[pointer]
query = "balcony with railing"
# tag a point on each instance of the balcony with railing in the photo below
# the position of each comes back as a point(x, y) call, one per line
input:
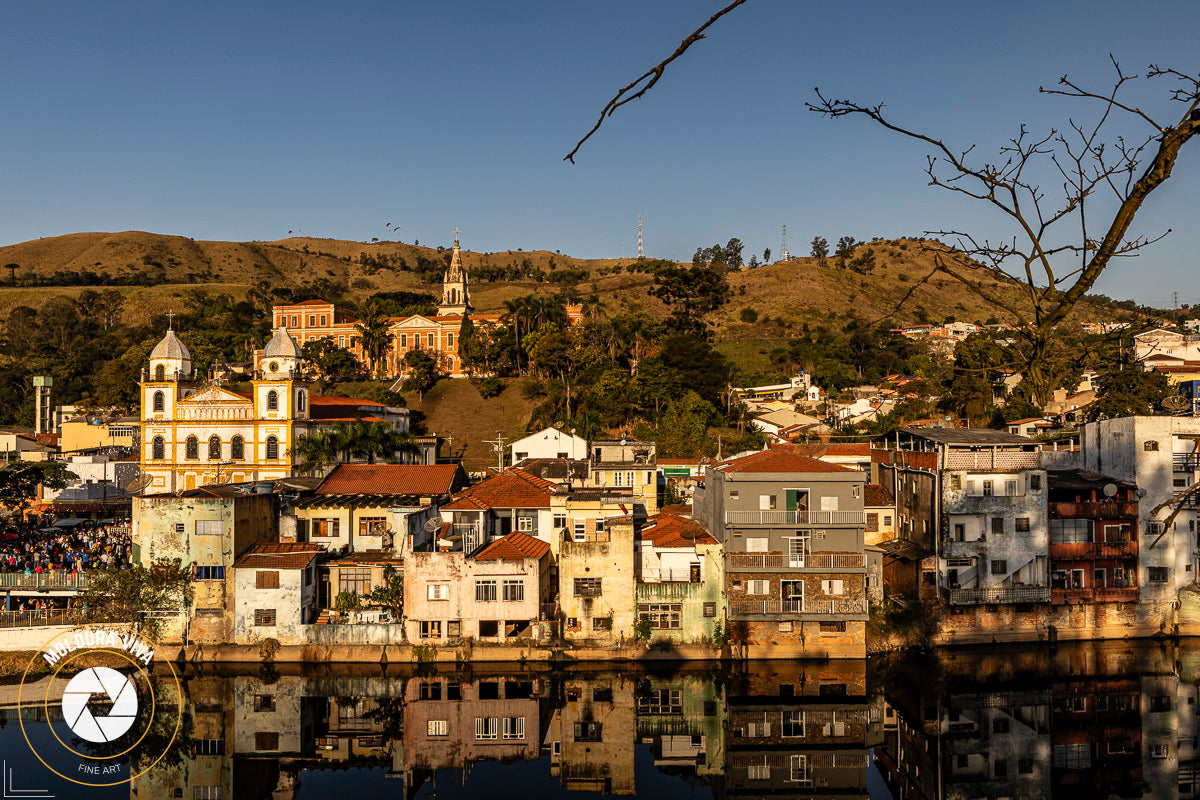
point(992, 460)
point(807, 560)
point(999, 595)
point(748, 607)
point(1090, 551)
point(796, 517)
point(1098, 510)
point(1123, 593)
point(1185, 462)
point(46, 580)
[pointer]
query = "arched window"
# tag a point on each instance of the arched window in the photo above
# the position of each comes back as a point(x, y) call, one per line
point(300, 400)
point(191, 448)
point(214, 448)
point(272, 400)
point(159, 399)
point(160, 373)
point(237, 448)
point(272, 447)
point(158, 448)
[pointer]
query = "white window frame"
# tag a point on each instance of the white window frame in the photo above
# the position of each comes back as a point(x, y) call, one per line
point(752, 587)
point(438, 591)
point(485, 585)
point(513, 591)
point(487, 729)
point(210, 527)
point(514, 728)
point(437, 727)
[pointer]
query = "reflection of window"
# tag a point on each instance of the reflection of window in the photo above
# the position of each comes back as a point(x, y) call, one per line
point(264, 616)
point(486, 728)
point(514, 727)
point(661, 701)
point(437, 727)
point(264, 702)
point(588, 731)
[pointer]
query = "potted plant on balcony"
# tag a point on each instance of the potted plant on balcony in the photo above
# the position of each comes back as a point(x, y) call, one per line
point(345, 602)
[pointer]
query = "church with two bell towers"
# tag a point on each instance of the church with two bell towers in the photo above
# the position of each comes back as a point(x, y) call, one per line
point(196, 433)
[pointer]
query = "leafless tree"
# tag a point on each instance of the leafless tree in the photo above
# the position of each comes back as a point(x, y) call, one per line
point(1062, 243)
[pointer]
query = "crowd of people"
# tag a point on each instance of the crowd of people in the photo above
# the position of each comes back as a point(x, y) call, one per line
point(85, 547)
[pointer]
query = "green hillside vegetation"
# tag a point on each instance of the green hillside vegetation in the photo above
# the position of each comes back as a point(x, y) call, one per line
point(660, 345)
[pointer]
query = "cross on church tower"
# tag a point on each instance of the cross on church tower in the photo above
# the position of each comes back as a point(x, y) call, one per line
point(170, 320)
point(456, 233)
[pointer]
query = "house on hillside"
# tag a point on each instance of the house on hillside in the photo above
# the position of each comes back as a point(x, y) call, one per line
point(548, 443)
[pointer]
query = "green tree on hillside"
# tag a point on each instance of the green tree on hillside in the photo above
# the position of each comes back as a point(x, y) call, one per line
point(1130, 392)
point(421, 372)
point(820, 250)
point(372, 327)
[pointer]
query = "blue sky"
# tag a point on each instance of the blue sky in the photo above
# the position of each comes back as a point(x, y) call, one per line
point(240, 121)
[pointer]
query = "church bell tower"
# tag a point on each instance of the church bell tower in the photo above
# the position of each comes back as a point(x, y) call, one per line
point(455, 301)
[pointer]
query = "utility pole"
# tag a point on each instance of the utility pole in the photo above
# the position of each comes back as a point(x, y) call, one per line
point(497, 445)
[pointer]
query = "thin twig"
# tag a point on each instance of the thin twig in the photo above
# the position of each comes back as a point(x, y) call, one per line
point(650, 77)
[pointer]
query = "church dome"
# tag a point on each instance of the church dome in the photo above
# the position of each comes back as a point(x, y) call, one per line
point(282, 345)
point(171, 347)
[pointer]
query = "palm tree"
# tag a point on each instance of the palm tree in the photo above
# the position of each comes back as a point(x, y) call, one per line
point(372, 328)
point(342, 442)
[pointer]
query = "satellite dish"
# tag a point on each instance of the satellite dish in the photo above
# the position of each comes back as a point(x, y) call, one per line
point(1176, 402)
point(1110, 490)
point(433, 524)
point(137, 483)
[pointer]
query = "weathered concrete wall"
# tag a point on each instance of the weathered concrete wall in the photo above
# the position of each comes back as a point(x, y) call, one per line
point(1004, 623)
point(29, 638)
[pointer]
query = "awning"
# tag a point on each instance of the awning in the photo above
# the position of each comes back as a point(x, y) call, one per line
point(69, 522)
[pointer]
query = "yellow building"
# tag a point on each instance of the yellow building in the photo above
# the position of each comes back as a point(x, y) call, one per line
point(89, 432)
point(195, 434)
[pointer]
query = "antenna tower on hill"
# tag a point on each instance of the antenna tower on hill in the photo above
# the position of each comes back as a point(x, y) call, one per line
point(641, 252)
point(786, 255)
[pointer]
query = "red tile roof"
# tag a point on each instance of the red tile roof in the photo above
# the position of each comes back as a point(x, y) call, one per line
point(516, 546)
point(394, 479)
point(822, 449)
point(513, 488)
point(673, 530)
point(341, 401)
point(279, 555)
point(877, 495)
point(779, 461)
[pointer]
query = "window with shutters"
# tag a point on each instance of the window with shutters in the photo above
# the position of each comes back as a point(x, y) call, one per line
point(758, 587)
point(833, 586)
point(266, 579)
point(264, 617)
point(322, 528)
point(587, 587)
point(210, 527)
point(579, 530)
point(437, 727)
point(272, 447)
point(438, 591)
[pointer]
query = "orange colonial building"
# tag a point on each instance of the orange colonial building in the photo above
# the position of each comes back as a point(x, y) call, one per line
point(312, 320)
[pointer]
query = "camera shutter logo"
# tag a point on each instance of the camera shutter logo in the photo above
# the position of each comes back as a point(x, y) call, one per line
point(121, 693)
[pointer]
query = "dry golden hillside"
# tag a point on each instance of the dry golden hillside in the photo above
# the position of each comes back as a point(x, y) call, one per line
point(787, 294)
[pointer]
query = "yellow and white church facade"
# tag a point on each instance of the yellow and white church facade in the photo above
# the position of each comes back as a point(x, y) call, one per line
point(196, 433)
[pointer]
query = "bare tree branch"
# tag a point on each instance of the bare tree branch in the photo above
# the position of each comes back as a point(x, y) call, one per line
point(649, 77)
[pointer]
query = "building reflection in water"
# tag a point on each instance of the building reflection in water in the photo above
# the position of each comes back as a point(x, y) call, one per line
point(1105, 720)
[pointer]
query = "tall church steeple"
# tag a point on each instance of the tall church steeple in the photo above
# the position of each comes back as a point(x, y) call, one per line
point(455, 300)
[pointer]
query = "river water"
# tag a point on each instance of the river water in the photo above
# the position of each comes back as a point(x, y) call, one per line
point(1113, 719)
